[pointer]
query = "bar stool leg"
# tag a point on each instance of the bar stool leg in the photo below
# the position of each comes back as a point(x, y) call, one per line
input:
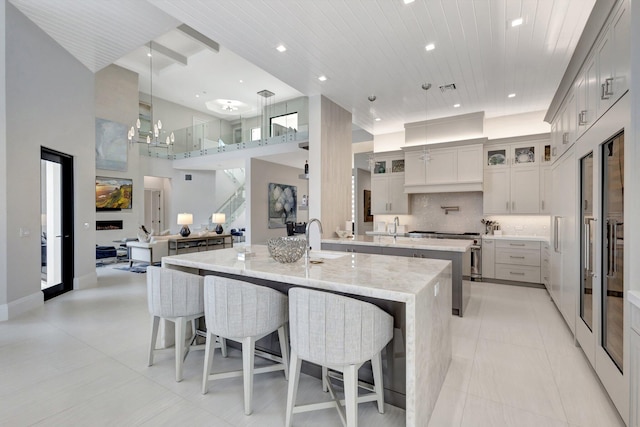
point(376, 366)
point(223, 345)
point(209, 349)
point(351, 394)
point(180, 327)
point(284, 349)
point(155, 322)
point(248, 356)
point(294, 379)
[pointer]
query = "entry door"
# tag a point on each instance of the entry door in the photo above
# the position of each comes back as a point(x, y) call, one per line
point(56, 195)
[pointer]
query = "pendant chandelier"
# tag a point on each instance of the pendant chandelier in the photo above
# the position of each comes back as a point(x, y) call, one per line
point(426, 153)
point(155, 127)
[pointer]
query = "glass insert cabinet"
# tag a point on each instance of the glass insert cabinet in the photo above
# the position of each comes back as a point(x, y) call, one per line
point(517, 154)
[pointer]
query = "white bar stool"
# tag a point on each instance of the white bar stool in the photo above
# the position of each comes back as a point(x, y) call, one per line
point(178, 297)
point(243, 312)
point(340, 334)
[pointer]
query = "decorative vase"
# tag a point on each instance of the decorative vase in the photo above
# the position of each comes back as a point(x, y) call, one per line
point(184, 231)
point(219, 229)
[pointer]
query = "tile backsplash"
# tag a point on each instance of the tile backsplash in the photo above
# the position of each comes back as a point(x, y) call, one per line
point(427, 213)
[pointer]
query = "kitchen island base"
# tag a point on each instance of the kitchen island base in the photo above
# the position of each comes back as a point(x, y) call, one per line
point(416, 292)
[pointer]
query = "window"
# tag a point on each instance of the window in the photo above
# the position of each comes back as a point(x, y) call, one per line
point(255, 134)
point(280, 125)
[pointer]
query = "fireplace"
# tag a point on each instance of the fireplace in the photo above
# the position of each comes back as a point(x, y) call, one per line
point(109, 225)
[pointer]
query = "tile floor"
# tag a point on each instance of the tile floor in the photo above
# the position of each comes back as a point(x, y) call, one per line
point(81, 360)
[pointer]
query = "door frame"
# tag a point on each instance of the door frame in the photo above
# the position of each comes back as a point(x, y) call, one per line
point(67, 221)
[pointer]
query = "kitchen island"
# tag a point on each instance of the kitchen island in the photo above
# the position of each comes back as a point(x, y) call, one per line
point(416, 292)
point(455, 250)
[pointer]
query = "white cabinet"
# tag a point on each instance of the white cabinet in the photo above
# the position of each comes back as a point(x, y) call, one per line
point(545, 265)
point(387, 185)
point(511, 182)
point(511, 260)
point(613, 53)
point(586, 93)
point(488, 259)
point(450, 169)
point(546, 189)
point(525, 190)
point(565, 248)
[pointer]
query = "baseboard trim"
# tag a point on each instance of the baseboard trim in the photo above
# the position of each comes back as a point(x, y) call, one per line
point(20, 306)
point(87, 281)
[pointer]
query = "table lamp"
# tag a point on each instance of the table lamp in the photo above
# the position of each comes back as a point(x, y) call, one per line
point(218, 218)
point(185, 219)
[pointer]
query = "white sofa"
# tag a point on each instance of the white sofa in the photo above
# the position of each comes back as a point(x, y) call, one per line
point(151, 252)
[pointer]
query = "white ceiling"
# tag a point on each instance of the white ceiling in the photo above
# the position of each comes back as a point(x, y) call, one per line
point(364, 47)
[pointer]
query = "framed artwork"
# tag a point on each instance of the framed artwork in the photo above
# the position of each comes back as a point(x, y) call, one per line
point(111, 145)
point(282, 205)
point(368, 217)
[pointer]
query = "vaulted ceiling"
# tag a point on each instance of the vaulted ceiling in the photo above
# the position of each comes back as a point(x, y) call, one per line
point(363, 47)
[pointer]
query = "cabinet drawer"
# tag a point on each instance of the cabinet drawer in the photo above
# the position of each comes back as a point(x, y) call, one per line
point(518, 256)
point(517, 244)
point(520, 273)
point(635, 318)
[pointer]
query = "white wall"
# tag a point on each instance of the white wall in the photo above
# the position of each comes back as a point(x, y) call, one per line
point(50, 102)
point(388, 142)
point(116, 99)
point(3, 169)
point(516, 125)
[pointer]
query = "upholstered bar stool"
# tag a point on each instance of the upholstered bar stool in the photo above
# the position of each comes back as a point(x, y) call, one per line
point(244, 312)
point(340, 334)
point(178, 297)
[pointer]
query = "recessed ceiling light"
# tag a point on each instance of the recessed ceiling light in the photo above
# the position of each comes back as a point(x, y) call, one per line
point(241, 81)
point(197, 95)
point(149, 54)
point(512, 95)
point(377, 119)
point(429, 47)
point(322, 78)
point(516, 22)
point(281, 48)
point(456, 105)
point(408, 1)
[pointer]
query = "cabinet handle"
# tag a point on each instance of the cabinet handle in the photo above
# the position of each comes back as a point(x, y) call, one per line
point(603, 92)
point(582, 118)
point(542, 202)
point(517, 244)
point(507, 205)
point(513, 206)
point(565, 138)
point(554, 151)
point(516, 273)
point(608, 88)
point(390, 206)
point(516, 257)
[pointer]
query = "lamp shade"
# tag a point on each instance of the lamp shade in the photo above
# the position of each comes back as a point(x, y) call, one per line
point(185, 219)
point(218, 218)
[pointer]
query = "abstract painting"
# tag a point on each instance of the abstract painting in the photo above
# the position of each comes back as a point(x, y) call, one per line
point(282, 205)
point(111, 145)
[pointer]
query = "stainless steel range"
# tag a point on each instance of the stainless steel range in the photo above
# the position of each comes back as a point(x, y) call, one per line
point(476, 247)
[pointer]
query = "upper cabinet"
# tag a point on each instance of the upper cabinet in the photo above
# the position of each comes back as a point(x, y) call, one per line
point(387, 185)
point(441, 168)
point(512, 175)
point(603, 79)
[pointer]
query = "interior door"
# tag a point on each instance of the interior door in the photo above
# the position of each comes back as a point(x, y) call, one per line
point(56, 190)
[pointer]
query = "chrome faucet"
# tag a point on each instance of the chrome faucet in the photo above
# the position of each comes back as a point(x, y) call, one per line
point(306, 234)
point(396, 223)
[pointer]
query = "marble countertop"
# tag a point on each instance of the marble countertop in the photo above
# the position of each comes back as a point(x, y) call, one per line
point(634, 298)
point(449, 245)
point(377, 276)
point(516, 237)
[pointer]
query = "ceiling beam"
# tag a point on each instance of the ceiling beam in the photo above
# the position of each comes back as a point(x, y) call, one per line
point(169, 53)
point(198, 36)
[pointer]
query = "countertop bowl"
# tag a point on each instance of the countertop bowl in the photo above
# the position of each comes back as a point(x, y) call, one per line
point(343, 233)
point(286, 249)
